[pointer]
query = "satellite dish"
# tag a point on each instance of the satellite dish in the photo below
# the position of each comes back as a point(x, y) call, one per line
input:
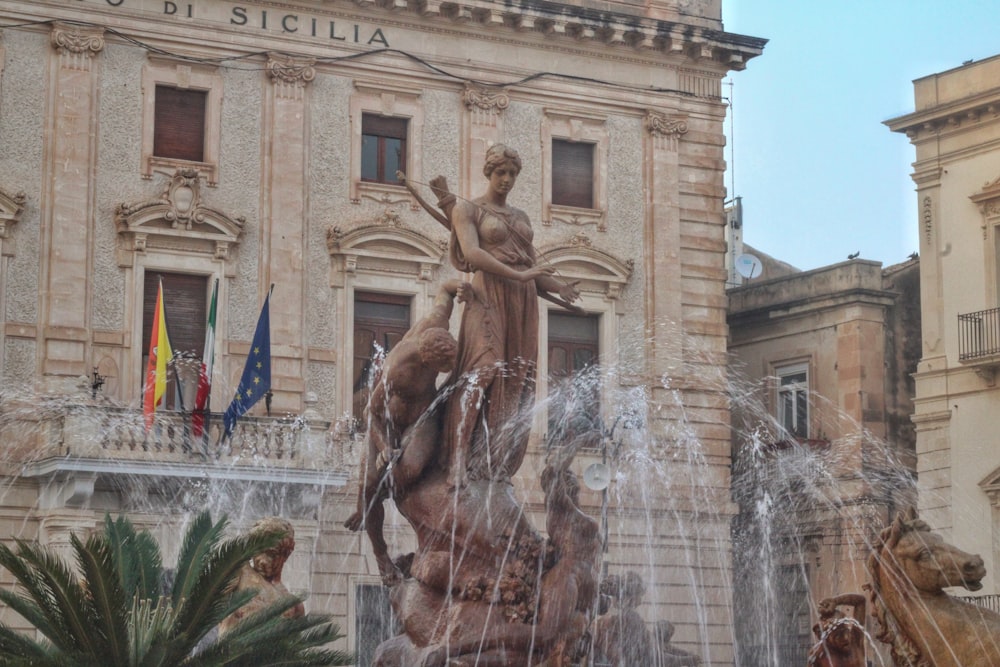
point(597, 476)
point(748, 266)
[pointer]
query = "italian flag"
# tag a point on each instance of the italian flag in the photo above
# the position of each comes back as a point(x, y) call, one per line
point(159, 354)
point(201, 402)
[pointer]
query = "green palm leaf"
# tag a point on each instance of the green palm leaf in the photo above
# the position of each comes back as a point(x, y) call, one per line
point(108, 602)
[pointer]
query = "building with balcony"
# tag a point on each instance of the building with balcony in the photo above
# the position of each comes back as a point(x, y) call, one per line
point(955, 132)
point(256, 143)
point(826, 356)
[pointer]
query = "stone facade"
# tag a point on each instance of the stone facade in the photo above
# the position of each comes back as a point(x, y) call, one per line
point(849, 334)
point(954, 129)
point(88, 209)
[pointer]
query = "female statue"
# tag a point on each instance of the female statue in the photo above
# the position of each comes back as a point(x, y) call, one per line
point(487, 417)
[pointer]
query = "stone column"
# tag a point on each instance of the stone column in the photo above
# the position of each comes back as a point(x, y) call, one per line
point(662, 258)
point(284, 220)
point(68, 198)
point(482, 127)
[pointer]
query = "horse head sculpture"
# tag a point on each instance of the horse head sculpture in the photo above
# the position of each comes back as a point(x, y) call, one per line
point(910, 567)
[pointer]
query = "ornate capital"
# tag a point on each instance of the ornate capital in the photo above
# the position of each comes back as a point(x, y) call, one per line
point(289, 71)
point(11, 207)
point(73, 40)
point(477, 98)
point(661, 125)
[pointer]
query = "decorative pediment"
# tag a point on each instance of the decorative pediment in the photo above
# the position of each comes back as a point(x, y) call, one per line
point(383, 248)
point(988, 199)
point(991, 487)
point(10, 210)
point(597, 270)
point(178, 220)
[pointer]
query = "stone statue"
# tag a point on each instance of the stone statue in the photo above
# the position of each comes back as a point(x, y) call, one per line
point(621, 636)
point(263, 574)
point(402, 430)
point(486, 419)
point(909, 567)
point(840, 638)
point(483, 587)
point(668, 655)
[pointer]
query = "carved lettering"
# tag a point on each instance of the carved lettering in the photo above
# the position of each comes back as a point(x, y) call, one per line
point(241, 14)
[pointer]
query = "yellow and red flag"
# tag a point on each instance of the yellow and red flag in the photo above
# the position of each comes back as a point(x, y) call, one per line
point(159, 354)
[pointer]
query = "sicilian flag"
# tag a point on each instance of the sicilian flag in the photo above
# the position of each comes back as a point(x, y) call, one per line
point(201, 402)
point(256, 380)
point(159, 354)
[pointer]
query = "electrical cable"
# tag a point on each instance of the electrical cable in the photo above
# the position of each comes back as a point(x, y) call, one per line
point(222, 60)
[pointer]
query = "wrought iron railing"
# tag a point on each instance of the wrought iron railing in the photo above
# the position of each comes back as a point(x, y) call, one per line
point(991, 602)
point(979, 334)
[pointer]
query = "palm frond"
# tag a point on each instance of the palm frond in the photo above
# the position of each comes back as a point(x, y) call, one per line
point(217, 577)
point(200, 540)
point(150, 624)
point(17, 645)
point(136, 557)
point(57, 593)
point(108, 602)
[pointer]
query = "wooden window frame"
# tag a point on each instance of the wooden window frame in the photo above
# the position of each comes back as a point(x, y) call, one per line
point(573, 345)
point(182, 76)
point(576, 126)
point(796, 390)
point(388, 101)
point(381, 129)
point(386, 325)
point(169, 105)
point(572, 187)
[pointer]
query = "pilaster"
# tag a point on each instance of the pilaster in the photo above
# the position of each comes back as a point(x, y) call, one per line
point(662, 242)
point(68, 197)
point(284, 215)
point(483, 126)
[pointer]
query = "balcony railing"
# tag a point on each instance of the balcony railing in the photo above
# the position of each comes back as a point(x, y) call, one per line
point(979, 335)
point(991, 602)
point(83, 429)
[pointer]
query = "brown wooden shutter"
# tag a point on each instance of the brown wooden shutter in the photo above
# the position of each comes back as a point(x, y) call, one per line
point(572, 173)
point(184, 299)
point(179, 123)
point(381, 319)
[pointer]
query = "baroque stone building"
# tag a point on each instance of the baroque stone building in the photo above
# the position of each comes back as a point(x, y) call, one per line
point(254, 143)
point(831, 353)
point(955, 129)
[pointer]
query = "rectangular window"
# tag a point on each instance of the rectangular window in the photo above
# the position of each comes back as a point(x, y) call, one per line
point(574, 378)
point(179, 123)
point(383, 148)
point(374, 620)
point(572, 173)
point(380, 321)
point(793, 400)
point(185, 305)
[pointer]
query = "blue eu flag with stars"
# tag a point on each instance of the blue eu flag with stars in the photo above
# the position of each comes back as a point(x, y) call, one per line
point(256, 380)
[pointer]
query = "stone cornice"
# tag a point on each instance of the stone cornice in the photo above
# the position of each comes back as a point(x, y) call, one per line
point(948, 117)
point(574, 23)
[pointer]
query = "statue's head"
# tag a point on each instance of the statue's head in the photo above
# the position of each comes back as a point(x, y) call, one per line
point(270, 562)
point(499, 154)
point(437, 349)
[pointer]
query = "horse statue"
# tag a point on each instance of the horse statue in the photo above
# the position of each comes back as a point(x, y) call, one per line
point(925, 627)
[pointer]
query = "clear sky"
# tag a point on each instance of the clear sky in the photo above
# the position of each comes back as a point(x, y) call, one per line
point(820, 176)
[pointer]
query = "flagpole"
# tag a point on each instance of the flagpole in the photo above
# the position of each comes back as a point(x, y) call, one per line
point(255, 382)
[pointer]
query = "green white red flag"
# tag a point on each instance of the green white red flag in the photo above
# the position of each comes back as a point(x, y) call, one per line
point(199, 416)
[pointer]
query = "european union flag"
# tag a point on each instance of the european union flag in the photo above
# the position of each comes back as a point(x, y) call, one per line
point(256, 380)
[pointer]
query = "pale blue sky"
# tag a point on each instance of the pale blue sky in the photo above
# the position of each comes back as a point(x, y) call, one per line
point(820, 175)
